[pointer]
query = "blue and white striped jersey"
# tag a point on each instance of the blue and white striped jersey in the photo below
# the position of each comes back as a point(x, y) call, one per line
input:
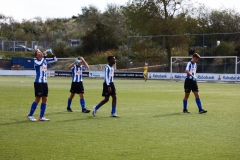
point(109, 74)
point(192, 68)
point(77, 73)
point(41, 69)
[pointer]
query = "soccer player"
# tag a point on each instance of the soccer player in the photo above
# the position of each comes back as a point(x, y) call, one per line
point(77, 83)
point(108, 88)
point(40, 83)
point(191, 84)
point(145, 71)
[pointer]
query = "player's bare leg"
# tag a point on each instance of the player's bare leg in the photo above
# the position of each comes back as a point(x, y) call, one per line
point(81, 95)
point(37, 99)
point(196, 94)
point(114, 100)
point(44, 100)
point(105, 100)
point(71, 96)
point(145, 77)
point(186, 96)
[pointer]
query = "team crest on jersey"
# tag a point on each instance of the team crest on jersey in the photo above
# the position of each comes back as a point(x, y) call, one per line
point(112, 73)
point(78, 72)
point(44, 68)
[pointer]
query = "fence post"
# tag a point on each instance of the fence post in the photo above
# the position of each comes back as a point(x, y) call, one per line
point(203, 53)
point(163, 48)
point(171, 70)
point(128, 50)
point(236, 67)
point(26, 46)
point(14, 42)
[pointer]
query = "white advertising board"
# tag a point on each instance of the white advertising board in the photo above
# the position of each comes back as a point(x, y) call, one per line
point(200, 76)
point(23, 73)
point(158, 75)
point(96, 74)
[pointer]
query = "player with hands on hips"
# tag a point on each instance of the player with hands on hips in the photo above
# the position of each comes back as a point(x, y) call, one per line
point(190, 84)
point(77, 83)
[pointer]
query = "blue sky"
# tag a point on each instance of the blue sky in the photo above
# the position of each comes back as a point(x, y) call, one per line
point(28, 9)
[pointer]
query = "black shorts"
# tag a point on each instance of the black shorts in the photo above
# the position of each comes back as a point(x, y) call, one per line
point(77, 87)
point(41, 89)
point(190, 85)
point(105, 90)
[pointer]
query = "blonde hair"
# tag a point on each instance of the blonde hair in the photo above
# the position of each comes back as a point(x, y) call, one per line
point(36, 52)
point(196, 55)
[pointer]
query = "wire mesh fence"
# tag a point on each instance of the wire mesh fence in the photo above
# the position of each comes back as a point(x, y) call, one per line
point(63, 64)
point(157, 50)
point(218, 64)
point(24, 46)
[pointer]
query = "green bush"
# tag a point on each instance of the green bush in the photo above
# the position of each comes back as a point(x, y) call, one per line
point(9, 55)
point(224, 49)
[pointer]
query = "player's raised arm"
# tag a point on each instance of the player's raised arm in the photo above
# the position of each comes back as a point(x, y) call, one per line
point(50, 60)
point(71, 65)
point(84, 62)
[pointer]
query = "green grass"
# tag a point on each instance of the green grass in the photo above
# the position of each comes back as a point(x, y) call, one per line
point(151, 124)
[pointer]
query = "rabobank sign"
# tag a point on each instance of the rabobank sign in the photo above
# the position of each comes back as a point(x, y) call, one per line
point(206, 77)
point(200, 77)
point(177, 76)
point(230, 78)
point(159, 76)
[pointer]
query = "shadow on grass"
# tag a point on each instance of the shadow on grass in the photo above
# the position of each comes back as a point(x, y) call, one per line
point(16, 122)
point(85, 118)
point(61, 112)
point(171, 114)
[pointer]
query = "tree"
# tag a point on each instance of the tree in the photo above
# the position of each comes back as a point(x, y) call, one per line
point(104, 31)
point(159, 17)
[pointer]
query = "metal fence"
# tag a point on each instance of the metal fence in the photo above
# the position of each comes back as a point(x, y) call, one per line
point(157, 50)
point(24, 46)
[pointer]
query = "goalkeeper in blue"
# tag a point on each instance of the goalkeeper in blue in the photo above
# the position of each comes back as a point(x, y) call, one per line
point(108, 88)
point(40, 83)
point(191, 84)
point(77, 83)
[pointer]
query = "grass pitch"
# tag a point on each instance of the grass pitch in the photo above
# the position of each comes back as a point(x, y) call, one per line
point(152, 125)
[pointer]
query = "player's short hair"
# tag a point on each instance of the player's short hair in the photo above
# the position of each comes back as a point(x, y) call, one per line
point(109, 58)
point(196, 55)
